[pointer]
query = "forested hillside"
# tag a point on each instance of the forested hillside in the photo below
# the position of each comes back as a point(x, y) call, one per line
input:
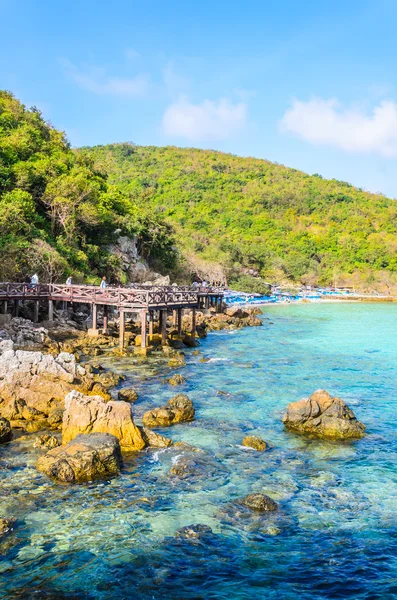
point(245, 213)
point(58, 213)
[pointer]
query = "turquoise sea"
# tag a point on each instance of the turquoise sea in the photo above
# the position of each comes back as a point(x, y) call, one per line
point(335, 534)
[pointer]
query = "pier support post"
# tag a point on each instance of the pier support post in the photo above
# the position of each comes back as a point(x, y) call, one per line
point(94, 317)
point(174, 318)
point(16, 307)
point(50, 310)
point(105, 318)
point(143, 328)
point(151, 318)
point(193, 322)
point(179, 312)
point(5, 307)
point(163, 317)
point(122, 329)
point(36, 311)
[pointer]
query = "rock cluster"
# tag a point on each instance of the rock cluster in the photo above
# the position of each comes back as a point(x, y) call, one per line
point(127, 395)
point(177, 410)
point(33, 386)
point(87, 457)
point(323, 416)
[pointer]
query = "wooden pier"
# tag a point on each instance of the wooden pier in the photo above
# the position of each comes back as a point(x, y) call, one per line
point(152, 303)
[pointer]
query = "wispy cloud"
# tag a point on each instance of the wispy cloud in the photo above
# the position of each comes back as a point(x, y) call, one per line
point(98, 81)
point(210, 120)
point(327, 122)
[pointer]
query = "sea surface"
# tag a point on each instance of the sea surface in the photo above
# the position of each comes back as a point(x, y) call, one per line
point(335, 534)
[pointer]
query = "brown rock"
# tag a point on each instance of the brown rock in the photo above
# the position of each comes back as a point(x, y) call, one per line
point(252, 441)
point(87, 457)
point(177, 410)
point(259, 502)
point(155, 440)
point(89, 414)
point(46, 441)
point(6, 525)
point(323, 416)
point(128, 395)
point(5, 431)
point(176, 379)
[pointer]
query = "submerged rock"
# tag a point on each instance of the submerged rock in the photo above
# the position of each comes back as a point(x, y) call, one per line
point(176, 361)
point(176, 379)
point(259, 502)
point(195, 531)
point(127, 395)
point(177, 410)
point(87, 457)
point(6, 525)
point(5, 430)
point(155, 440)
point(252, 441)
point(89, 414)
point(46, 441)
point(323, 416)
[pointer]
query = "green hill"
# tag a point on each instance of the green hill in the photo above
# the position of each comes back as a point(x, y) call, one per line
point(232, 215)
point(58, 213)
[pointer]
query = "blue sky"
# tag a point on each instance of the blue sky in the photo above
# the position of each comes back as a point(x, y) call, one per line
point(308, 84)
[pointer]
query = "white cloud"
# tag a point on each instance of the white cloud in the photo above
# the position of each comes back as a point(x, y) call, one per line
point(326, 122)
point(210, 120)
point(97, 81)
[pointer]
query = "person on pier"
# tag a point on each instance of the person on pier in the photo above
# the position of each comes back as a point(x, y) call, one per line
point(35, 279)
point(69, 280)
point(103, 283)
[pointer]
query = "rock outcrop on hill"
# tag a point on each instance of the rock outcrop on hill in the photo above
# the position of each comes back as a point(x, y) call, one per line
point(323, 416)
point(87, 457)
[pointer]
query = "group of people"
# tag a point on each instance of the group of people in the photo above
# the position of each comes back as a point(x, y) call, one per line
point(34, 280)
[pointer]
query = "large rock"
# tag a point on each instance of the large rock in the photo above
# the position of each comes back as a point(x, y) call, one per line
point(87, 457)
point(323, 416)
point(90, 414)
point(252, 441)
point(177, 410)
point(5, 430)
point(33, 385)
point(128, 395)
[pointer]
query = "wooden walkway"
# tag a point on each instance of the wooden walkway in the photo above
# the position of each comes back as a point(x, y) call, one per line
point(152, 302)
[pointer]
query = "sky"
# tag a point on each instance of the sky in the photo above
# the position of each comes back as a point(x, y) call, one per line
point(311, 85)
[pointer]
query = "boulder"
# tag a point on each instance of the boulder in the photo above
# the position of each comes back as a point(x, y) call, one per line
point(177, 410)
point(90, 414)
point(259, 502)
point(252, 441)
point(176, 379)
point(127, 395)
point(236, 312)
point(195, 531)
point(87, 457)
point(323, 416)
point(176, 361)
point(5, 430)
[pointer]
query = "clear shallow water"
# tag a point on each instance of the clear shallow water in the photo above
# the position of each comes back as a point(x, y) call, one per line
point(335, 535)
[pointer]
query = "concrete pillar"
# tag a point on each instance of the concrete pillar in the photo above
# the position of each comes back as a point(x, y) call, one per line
point(94, 317)
point(143, 328)
point(163, 315)
point(174, 317)
point(36, 311)
point(16, 307)
point(179, 321)
point(5, 307)
point(122, 329)
point(50, 310)
point(151, 318)
point(105, 318)
point(193, 322)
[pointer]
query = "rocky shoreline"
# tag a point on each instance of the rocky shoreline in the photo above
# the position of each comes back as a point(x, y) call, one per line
point(85, 424)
